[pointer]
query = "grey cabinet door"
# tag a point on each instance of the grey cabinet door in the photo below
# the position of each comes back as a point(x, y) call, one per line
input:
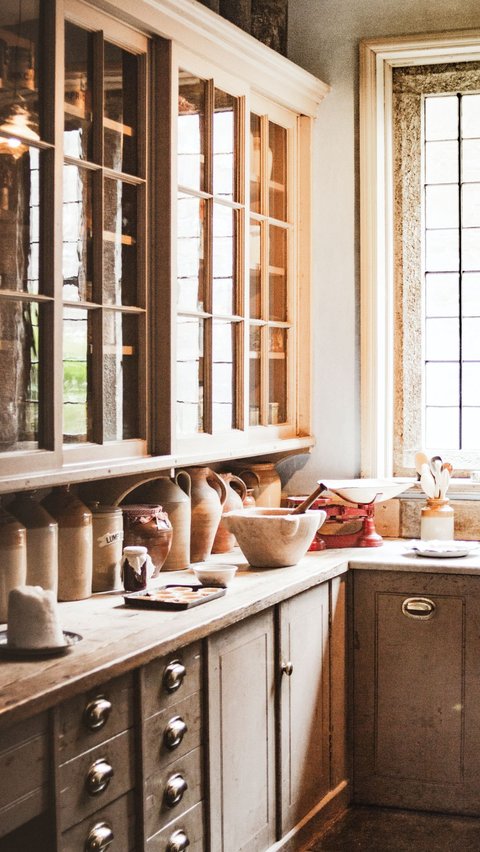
point(241, 736)
point(304, 703)
point(416, 690)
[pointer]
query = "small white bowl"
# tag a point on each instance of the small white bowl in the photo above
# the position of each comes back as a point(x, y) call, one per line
point(214, 575)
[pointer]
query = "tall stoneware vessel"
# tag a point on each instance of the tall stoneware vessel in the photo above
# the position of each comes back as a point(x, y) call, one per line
point(265, 481)
point(13, 558)
point(175, 498)
point(224, 540)
point(75, 543)
point(208, 494)
point(42, 541)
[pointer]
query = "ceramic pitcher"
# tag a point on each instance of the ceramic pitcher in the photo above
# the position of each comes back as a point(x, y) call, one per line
point(236, 492)
point(174, 496)
point(208, 494)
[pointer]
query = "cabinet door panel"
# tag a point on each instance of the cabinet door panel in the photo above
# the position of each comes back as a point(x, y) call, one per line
point(304, 703)
point(241, 736)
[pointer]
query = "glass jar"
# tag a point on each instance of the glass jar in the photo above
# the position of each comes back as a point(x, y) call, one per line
point(137, 568)
point(436, 520)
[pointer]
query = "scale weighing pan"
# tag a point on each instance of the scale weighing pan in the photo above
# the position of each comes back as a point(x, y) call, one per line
point(366, 491)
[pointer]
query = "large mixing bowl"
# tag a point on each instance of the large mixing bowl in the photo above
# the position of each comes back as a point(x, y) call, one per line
point(273, 538)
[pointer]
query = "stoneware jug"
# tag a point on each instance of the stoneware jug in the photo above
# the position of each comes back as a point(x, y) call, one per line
point(147, 525)
point(175, 498)
point(13, 558)
point(208, 494)
point(75, 543)
point(224, 540)
point(42, 541)
point(265, 481)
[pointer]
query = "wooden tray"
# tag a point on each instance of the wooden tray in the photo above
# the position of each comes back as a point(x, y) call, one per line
point(174, 596)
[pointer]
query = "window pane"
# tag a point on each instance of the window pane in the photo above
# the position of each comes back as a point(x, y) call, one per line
point(255, 278)
point(77, 339)
point(224, 145)
point(441, 250)
point(120, 120)
point(277, 273)
point(255, 161)
point(277, 166)
point(471, 429)
point(119, 243)
point(471, 115)
point(441, 117)
point(255, 363)
point(442, 383)
point(191, 131)
point(277, 405)
point(121, 379)
point(441, 340)
point(442, 425)
point(471, 160)
point(471, 384)
point(223, 259)
point(77, 137)
point(471, 205)
point(77, 234)
point(441, 295)
point(471, 339)
point(19, 217)
point(19, 93)
point(189, 375)
point(20, 331)
point(190, 253)
point(441, 162)
point(471, 294)
point(471, 249)
point(223, 373)
point(441, 206)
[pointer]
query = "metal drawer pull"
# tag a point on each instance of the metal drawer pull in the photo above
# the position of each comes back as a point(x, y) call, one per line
point(177, 842)
point(174, 732)
point(99, 838)
point(287, 668)
point(422, 608)
point(173, 675)
point(175, 787)
point(97, 712)
point(98, 777)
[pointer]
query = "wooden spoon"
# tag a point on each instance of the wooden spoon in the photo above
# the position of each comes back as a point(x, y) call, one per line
point(420, 459)
point(427, 481)
point(305, 504)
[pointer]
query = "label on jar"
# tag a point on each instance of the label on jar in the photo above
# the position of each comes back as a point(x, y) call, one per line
point(110, 538)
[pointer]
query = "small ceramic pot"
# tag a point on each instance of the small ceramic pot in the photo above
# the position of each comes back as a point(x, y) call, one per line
point(148, 526)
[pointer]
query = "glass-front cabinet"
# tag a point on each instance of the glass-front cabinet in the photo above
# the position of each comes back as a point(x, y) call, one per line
point(154, 242)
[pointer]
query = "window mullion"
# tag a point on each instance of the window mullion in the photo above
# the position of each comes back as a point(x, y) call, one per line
point(460, 277)
point(96, 353)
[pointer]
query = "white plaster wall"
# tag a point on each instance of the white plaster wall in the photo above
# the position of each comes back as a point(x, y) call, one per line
point(323, 38)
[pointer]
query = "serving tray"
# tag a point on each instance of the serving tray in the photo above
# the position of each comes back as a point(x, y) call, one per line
point(174, 596)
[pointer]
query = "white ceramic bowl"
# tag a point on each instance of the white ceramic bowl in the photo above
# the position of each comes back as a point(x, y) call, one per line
point(367, 490)
point(214, 575)
point(273, 538)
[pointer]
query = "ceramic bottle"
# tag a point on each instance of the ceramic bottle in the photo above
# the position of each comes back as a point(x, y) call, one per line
point(436, 520)
point(265, 481)
point(75, 543)
point(13, 558)
point(208, 494)
point(174, 496)
point(224, 540)
point(42, 541)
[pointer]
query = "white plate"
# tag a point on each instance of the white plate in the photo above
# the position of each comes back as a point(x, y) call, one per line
point(444, 549)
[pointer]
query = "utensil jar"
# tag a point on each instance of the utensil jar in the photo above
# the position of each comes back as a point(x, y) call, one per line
point(436, 520)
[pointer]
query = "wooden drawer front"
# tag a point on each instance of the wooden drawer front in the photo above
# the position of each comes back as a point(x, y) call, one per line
point(157, 729)
point(24, 768)
point(76, 802)
point(191, 823)
point(158, 813)
point(157, 695)
point(89, 719)
point(120, 818)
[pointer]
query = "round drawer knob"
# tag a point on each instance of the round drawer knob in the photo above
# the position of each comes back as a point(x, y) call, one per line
point(175, 788)
point(99, 837)
point(96, 713)
point(174, 732)
point(173, 675)
point(178, 841)
point(98, 777)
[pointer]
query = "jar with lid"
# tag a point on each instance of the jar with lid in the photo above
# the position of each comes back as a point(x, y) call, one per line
point(42, 541)
point(436, 520)
point(107, 528)
point(137, 568)
point(74, 543)
point(13, 558)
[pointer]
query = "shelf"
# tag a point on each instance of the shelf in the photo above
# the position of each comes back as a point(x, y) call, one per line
point(110, 237)
point(125, 129)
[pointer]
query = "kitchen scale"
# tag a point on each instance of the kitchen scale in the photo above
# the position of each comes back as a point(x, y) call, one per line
point(352, 520)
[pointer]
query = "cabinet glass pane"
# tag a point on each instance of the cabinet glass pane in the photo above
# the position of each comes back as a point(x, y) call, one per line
point(77, 234)
point(119, 243)
point(121, 378)
point(19, 394)
point(277, 273)
point(277, 405)
point(77, 137)
point(120, 119)
point(255, 362)
point(190, 252)
point(191, 131)
point(223, 389)
point(277, 168)
point(77, 342)
point(223, 260)
point(224, 120)
point(189, 375)
point(19, 218)
point(255, 161)
point(19, 64)
point(255, 276)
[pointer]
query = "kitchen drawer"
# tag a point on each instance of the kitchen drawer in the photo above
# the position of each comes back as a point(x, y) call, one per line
point(76, 802)
point(165, 683)
point(93, 717)
point(157, 811)
point(191, 823)
point(159, 730)
point(119, 817)
point(24, 762)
